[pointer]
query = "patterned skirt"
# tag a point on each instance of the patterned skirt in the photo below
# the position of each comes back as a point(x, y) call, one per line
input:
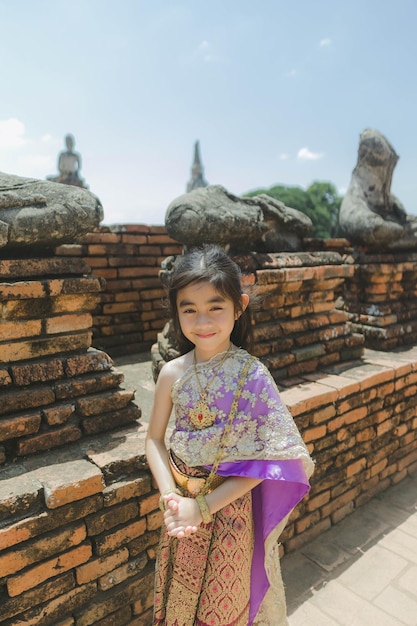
point(204, 579)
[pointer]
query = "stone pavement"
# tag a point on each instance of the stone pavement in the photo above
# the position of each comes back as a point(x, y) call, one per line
point(361, 572)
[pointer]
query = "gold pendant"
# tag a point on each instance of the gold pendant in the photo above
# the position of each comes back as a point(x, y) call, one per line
point(201, 416)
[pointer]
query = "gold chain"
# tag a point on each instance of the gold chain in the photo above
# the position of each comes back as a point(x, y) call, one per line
point(228, 426)
point(201, 416)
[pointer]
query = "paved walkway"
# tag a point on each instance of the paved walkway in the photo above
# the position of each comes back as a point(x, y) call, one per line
point(361, 572)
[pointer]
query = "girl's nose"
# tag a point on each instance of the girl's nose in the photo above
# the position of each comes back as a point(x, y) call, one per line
point(202, 319)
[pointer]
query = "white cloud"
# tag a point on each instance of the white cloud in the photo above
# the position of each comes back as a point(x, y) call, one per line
point(304, 154)
point(22, 155)
point(12, 133)
point(325, 42)
point(204, 52)
point(47, 138)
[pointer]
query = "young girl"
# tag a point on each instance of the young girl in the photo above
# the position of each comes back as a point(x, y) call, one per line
point(236, 464)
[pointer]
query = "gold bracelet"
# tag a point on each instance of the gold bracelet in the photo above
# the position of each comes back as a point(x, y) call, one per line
point(166, 493)
point(204, 509)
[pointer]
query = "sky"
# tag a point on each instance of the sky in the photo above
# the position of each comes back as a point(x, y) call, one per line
point(277, 92)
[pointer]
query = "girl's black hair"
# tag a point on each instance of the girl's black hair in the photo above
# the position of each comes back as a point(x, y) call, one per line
point(210, 264)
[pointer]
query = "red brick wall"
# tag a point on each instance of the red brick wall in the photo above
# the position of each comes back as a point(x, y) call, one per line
point(77, 546)
point(54, 388)
point(79, 526)
point(131, 310)
point(381, 298)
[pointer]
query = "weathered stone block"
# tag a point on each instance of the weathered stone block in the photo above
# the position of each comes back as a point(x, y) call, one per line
point(76, 480)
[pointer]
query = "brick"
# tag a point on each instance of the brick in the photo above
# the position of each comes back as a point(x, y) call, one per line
point(344, 384)
point(39, 549)
point(135, 239)
point(119, 538)
point(384, 427)
point(96, 568)
point(88, 384)
point(75, 286)
point(48, 569)
point(19, 495)
point(45, 441)
point(378, 467)
point(355, 467)
point(149, 504)
point(342, 512)
point(154, 520)
point(21, 351)
point(299, 540)
point(306, 398)
point(121, 617)
point(407, 461)
point(104, 606)
point(126, 489)
point(105, 402)
point(70, 249)
point(142, 543)
point(365, 435)
point(93, 361)
point(58, 414)
point(34, 597)
point(346, 499)
point(25, 268)
point(22, 399)
point(102, 237)
point(5, 378)
point(318, 501)
point(19, 426)
point(75, 480)
point(123, 573)
point(39, 523)
point(109, 421)
point(22, 289)
point(43, 307)
point(67, 323)
point(312, 434)
point(37, 372)
point(111, 517)
point(52, 612)
point(20, 329)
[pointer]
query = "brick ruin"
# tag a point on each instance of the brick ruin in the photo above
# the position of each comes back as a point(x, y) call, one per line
point(79, 517)
point(381, 297)
point(131, 309)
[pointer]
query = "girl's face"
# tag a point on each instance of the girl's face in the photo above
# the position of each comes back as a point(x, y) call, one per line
point(207, 318)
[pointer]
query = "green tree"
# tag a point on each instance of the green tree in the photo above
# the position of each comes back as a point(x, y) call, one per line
point(319, 201)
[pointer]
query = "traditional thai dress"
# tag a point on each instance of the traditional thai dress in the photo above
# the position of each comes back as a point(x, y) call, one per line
point(228, 572)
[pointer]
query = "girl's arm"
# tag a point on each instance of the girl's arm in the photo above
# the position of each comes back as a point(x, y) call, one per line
point(183, 514)
point(156, 451)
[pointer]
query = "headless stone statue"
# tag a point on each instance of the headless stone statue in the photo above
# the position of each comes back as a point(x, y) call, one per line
point(214, 215)
point(42, 214)
point(69, 166)
point(370, 215)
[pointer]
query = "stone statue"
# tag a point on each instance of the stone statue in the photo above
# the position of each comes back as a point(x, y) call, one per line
point(370, 215)
point(69, 166)
point(213, 215)
point(41, 213)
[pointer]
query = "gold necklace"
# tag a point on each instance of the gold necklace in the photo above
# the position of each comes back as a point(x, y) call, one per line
point(201, 416)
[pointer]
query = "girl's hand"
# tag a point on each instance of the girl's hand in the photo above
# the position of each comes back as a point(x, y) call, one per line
point(182, 515)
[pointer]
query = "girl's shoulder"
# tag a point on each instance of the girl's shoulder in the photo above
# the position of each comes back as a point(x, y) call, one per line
point(174, 369)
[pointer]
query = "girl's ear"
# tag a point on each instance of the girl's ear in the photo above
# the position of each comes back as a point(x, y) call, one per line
point(244, 301)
